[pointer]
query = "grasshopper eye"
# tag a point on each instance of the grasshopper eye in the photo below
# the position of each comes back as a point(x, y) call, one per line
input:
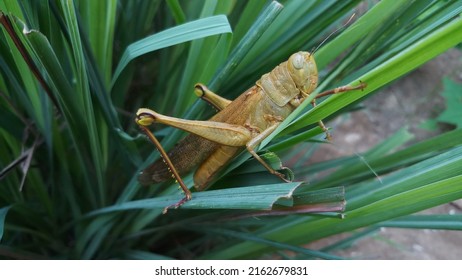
point(298, 61)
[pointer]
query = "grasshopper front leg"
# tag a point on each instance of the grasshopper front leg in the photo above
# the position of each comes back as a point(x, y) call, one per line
point(341, 89)
point(252, 144)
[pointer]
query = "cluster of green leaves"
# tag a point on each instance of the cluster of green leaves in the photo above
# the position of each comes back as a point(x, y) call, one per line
point(74, 72)
point(453, 95)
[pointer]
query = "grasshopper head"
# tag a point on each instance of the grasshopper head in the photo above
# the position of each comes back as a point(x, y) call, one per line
point(303, 70)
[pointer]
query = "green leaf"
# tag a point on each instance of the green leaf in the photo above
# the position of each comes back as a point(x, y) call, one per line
point(453, 96)
point(261, 24)
point(278, 245)
point(183, 33)
point(257, 197)
point(440, 222)
point(3, 212)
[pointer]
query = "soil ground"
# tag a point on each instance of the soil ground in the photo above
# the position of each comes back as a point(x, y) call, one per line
point(408, 102)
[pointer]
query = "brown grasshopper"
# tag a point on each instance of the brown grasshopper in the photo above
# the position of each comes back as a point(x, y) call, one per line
point(242, 123)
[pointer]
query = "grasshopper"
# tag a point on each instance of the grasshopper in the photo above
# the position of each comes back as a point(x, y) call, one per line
point(240, 124)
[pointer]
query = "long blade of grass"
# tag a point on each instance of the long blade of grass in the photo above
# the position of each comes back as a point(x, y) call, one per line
point(3, 212)
point(441, 222)
point(85, 101)
point(186, 32)
point(257, 197)
point(277, 245)
point(384, 163)
point(261, 24)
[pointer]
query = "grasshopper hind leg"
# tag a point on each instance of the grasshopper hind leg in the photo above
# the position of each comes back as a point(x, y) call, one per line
point(177, 204)
point(187, 193)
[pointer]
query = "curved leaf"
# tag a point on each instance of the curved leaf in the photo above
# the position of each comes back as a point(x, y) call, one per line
point(176, 35)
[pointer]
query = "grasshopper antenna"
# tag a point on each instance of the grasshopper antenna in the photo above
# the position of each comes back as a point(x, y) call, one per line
point(335, 31)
